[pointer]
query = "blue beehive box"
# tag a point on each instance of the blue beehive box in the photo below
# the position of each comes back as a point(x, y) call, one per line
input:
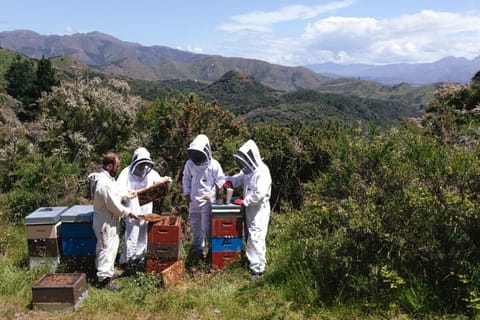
point(78, 237)
point(225, 244)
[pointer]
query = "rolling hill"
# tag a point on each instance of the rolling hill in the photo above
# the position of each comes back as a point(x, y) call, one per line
point(114, 56)
point(347, 99)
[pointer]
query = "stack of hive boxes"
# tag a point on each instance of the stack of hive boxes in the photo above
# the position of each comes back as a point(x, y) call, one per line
point(226, 234)
point(78, 239)
point(164, 249)
point(43, 236)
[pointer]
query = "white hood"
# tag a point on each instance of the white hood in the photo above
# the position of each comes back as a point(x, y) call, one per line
point(248, 157)
point(199, 151)
point(141, 163)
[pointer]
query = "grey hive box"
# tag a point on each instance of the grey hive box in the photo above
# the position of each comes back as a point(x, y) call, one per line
point(43, 228)
point(78, 214)
point(45, 215)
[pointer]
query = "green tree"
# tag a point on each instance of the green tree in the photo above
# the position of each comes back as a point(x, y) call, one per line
point(167, 126)
point(27, 84)
point(87, 118)
point(45, 77)
point(21, 84)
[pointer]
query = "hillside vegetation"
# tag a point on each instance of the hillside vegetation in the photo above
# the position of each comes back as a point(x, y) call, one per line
point(367, 222)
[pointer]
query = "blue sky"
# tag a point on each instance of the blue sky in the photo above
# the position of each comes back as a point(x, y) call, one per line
point(282, 31)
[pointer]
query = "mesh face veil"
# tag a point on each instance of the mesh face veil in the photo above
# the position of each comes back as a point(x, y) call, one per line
point(199, 151)
point(245, 162)
point(142, 168)
point(199, 158)
point(248, 157)
point(141, 163)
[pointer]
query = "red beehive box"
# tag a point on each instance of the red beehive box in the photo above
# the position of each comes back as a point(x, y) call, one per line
point(168, 230)
point(164, 251)
point(59, 291)
point(171, 271)
point(221, 259)
point(157, 265)
point(222, 227)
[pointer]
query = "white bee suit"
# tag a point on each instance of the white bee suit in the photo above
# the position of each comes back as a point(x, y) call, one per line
point(106, 221)
point(200, 175)
point(132, 178)
point(256, 180)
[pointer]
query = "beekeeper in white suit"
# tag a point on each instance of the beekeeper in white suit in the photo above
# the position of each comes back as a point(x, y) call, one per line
point(256, 180)
point(201, 174)
point(139, 174)
point(108, 208)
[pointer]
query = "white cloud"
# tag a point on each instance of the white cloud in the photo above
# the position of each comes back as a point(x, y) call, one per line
point(194, 50)
point(190, 49)
point(237, 28)
point(69, 30)
point(288, 13)
point(424, 36)
point(261, 21)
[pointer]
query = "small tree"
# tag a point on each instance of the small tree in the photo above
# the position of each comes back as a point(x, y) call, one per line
point(86, 118)
point(26, 85)
point(21, 85)
point(45, 77)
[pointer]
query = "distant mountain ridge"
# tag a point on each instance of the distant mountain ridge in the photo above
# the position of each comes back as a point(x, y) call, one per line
point(154, 62)
point(115, 56)
point(449, 69)
point(344, 99)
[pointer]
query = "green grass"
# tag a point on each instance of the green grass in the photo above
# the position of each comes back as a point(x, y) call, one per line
point(224, 294)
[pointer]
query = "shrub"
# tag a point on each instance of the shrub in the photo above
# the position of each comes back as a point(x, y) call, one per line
point(39, 181)
point(391, 223)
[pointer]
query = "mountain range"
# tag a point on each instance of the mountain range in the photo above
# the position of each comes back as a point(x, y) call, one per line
point(449, 69)
point(118, 57)
point(254, 90)
point(134, 60)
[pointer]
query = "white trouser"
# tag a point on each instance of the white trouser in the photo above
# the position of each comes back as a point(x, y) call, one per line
point(106, 250)
point(257, 218)
point(135, 240)
point(200, 227)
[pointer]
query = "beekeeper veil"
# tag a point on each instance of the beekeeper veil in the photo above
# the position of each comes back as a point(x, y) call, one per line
point(248, 157)
point(199, 150)
point(141, 163)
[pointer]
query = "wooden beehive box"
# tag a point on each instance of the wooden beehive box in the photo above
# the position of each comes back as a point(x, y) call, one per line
point(172, 274)
point(164, 251)
point(152, 193)
point(171, 271)
point(167, 230)
point(224, 227)
point(59, 291)
point(220, 260)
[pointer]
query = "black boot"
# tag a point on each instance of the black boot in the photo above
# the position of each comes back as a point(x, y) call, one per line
point(108, 284)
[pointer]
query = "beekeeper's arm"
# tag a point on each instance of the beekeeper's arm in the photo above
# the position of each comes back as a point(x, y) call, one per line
point(258, 190)
point(114, 205)
point(186, 182)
